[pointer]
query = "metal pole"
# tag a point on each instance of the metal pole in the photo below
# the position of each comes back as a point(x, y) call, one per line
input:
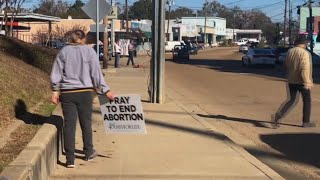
point(161, 58)
point(233, 36)
point(105, 44)
point(285, 22)
point(112, 34)
point(290, 21)
point(310, 26)
point(97, 28)
point(158, 60)
point(205, 24)
point(153, 64)
point(127, 19)
point(170, 4)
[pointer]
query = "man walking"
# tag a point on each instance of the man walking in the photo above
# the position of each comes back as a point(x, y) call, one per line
point(117, 50)
point(130, 49)
point(299, 68)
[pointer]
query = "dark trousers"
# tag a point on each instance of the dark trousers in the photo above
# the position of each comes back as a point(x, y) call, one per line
point(74, 106)
point(293, 94)
point(117, 60)
point(130, 59)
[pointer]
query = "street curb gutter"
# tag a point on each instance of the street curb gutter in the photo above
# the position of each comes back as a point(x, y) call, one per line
point(245, 154)
point(39, 158)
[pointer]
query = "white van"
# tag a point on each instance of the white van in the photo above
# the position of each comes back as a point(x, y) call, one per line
point(169, 45)
point(241, 42)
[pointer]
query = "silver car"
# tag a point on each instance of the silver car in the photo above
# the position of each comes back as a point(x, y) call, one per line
point(259, 57)
point(243, 48)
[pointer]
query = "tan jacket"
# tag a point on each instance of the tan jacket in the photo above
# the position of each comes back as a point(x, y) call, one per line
point(299, 66)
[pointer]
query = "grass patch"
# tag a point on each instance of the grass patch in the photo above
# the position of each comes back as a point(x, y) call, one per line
point(18, 141)
point(22, 136)
point(24, 77)
point(45, 108)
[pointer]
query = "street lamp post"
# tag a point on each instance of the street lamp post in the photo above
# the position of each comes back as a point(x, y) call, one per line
point(205, 23)
point(170, 3)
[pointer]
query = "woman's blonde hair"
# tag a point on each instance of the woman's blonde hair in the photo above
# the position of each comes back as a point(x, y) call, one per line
point(77, 36)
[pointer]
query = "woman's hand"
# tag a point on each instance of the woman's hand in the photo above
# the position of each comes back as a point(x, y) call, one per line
point(55, 97)
point(110, 95)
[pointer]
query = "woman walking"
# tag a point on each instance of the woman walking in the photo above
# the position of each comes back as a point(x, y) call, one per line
point(76, 74)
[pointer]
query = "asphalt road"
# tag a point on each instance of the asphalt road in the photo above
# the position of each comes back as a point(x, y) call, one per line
point(243, 99)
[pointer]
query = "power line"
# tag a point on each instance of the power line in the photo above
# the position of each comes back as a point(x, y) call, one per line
point(265, 6)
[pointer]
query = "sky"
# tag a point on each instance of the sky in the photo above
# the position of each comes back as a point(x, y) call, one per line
point(273, 8)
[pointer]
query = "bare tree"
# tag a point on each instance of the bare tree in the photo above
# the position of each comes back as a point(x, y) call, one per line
point(16, 6)
point(59, 33)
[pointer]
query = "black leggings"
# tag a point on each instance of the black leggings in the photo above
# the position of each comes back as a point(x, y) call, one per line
point(306, 96)
point(74, 106)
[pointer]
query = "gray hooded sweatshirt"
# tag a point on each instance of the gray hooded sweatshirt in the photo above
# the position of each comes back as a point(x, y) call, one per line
point(77, 67)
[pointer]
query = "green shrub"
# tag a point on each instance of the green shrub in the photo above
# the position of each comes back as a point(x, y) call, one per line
point(39, 57)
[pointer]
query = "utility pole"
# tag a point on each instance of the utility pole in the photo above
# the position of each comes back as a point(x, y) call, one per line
point(127, 19)
point(205, 23)
point(234, 17)
point(170, 3)
point(105, 44)
point(290, 23)
point(285, 22)
point(97, 28)
point(156, 86)
point(310, 25)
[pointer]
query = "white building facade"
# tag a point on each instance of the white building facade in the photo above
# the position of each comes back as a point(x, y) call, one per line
point(214, 31)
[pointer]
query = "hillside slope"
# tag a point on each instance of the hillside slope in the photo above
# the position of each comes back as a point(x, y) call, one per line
point(24, 76)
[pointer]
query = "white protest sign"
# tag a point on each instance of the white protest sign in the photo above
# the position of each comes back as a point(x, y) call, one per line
point(123, 115)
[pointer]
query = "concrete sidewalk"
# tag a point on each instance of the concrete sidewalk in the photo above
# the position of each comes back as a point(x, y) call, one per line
point(177, 145)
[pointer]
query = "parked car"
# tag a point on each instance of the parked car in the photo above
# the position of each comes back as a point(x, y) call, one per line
point(259, 56)
point(281, 54)
point(242, 42)
point(200, 44)
point(180, 52)
point(169, 45)
point(193, 49)
point(101, 51)
point(315, 58)
point(243, 48)
point(56, 44)
point(253, 40)
point(281, 58)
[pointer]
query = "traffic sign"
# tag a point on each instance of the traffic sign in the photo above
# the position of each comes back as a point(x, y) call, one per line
point(114, 13)
point(90, 8)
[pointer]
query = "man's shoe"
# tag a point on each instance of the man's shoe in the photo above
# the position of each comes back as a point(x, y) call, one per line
point(309, 125)
point(70, 165)
point(274, 121)
point(92, 156)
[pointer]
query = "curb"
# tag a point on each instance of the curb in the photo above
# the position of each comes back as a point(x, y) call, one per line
point(39, 158)
point(192, 109)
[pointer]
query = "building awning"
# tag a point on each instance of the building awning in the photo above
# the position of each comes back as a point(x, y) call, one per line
point(190, 34)
point(249, 31)
point(15, 26)
point(31, 17)
point(209, 30)
point(18, 28)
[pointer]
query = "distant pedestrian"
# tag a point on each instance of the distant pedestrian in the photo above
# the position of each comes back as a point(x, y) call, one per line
point(76, 73)
point(117, 50)
point(130, 49)
point(299, 68)
point(109, 52)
